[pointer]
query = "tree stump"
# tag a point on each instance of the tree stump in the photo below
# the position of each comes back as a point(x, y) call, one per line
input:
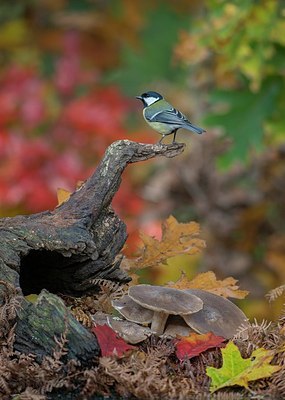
point(63, 250)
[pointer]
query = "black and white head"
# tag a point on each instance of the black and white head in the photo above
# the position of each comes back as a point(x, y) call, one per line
point(149, 98)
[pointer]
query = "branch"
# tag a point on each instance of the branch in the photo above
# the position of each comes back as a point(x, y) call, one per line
point(63, 250)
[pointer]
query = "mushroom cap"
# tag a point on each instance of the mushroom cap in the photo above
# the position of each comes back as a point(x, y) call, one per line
point(132, 311)
point(176, 326)
point(100, 318)
point(129, 331)
point(164, 299)
point(219, 315)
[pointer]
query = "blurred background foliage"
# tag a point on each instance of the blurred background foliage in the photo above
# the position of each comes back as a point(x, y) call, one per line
point(69, 71)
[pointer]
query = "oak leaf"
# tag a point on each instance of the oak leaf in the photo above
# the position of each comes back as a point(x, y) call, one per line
point(240, 371)
point(177, 238)
point(194, 344)
point(110, 344)
point(208, 281)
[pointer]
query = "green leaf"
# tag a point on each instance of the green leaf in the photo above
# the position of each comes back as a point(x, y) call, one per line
point(245, 116)
point(239, 371)
point(153, 61)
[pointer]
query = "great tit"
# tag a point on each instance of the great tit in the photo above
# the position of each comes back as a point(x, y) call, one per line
point(164, 118)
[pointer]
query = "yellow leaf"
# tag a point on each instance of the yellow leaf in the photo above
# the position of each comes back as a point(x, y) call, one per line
point(208, 281)
point(177, 238)
point(278, 32)
point(240, 371)
point(13, 33)
point(62, 195)
point(32, 298)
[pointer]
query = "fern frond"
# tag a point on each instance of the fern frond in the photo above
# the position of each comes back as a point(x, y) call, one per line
point(273, 294)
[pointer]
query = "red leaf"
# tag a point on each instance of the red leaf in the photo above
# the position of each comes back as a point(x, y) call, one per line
point(195, 344)
point(109, 343)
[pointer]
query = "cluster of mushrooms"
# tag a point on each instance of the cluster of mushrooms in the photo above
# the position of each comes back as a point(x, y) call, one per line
point(171, 312)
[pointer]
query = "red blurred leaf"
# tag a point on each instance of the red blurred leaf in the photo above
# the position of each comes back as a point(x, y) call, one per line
point(8, 107)
point(109, 343)
point(101, 112)
point(195, 344)
point(50, 139)
point(67, 71)
point(126, 200)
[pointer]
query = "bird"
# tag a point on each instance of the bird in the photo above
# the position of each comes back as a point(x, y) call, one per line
point(163, 117)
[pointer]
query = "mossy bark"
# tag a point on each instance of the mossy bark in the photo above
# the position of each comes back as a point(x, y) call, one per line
point(47, 327)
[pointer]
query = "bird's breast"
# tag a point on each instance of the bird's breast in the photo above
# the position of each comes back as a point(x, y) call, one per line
point(162, 128)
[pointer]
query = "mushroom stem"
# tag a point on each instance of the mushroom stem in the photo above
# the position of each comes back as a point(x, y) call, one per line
point(158, 322)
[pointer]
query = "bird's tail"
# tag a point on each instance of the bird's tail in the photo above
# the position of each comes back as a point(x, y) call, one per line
point(194, 128)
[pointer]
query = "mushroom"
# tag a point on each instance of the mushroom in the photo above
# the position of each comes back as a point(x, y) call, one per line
point(100, 318)
point(164, 301)
point(132, 311)
point(219, 315)
point(129, 331)
point(176, 326)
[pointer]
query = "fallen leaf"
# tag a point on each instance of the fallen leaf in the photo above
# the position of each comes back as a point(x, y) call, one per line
point(32, 298)
point(240, 371)
point(177, 238)
point(195, 344)
point(62, 196)
point(110, 344)
point(208, 281)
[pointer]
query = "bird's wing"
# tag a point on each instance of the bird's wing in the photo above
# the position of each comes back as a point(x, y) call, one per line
point(170, 116)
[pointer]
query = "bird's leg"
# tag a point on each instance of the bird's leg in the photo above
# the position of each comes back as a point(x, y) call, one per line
point(160, 140)
point(173, 141)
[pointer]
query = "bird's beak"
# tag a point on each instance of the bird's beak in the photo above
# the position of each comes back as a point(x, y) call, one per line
point(139, 97)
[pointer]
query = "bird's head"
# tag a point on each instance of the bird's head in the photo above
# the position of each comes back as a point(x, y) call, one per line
point(149, 98)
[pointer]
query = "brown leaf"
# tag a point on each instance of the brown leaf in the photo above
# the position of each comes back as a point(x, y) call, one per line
point(177, 238)
point(208, 281)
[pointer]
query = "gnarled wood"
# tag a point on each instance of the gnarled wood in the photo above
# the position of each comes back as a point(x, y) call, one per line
point(64, 249)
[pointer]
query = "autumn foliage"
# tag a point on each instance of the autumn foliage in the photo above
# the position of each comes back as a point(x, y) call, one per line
point(109, 341)
point(68, 73)
point(34, 166)
point(195, 344)
point(177, 238)
point(165, 367)
point(239, 371)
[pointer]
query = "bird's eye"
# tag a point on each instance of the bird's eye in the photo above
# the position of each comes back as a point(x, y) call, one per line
point(145, 95)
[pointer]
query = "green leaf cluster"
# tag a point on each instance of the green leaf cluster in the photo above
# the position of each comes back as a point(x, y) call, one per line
point(245, 116)
point(246, 41)
point(152, 62)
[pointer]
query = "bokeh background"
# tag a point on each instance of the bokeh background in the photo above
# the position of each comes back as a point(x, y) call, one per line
point(69, 71)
